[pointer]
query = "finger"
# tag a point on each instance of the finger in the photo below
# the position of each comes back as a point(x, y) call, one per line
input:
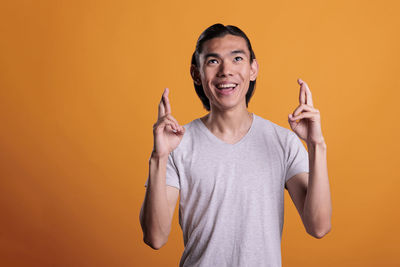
point(309, 100)
point(169, 116)
point(293, 123)
point(172, 126)
point(173, 122)
point(159, 127)
point(161, 106)
point(166, 119)
point(167, 106)
point(304, 115)
point(301, 108)
point(302, 94)
point(181, 130)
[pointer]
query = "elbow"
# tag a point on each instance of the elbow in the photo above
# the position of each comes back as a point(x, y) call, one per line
point(155, 244)
point(318, 227)
point(320, 233)
point(148, 238)
point(152, 239)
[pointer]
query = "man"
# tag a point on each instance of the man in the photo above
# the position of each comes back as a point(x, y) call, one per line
point(231, 167)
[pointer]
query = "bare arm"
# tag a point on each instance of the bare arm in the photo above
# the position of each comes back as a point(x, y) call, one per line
point(158, 206)
point(159, 203)
point(317, 205)
point(311, 193)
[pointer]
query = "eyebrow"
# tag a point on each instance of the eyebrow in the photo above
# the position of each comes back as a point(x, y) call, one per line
point(240, 51)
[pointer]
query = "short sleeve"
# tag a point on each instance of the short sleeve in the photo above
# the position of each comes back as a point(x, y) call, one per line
point(296, 157)
point(172, 175)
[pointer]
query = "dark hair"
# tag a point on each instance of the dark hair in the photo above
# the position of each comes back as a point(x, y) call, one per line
point(219, 30)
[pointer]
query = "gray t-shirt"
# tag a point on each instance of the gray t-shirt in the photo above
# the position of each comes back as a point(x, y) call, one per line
point(232, 195)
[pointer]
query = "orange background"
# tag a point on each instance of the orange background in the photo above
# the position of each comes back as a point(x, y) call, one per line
point(80, 82)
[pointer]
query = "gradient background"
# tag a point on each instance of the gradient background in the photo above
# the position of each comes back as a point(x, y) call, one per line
point(80, 82)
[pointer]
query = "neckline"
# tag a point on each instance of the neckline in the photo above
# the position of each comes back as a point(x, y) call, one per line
point(204, 128)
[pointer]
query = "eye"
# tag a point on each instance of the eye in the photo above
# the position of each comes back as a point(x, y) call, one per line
point(211, 61)
point(238, 58)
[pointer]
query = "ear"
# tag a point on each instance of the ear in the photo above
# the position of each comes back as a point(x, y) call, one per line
point(253, 70)
point(194, 72)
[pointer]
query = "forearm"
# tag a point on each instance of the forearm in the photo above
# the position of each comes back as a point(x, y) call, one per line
point(317, 207)
point(155, 216)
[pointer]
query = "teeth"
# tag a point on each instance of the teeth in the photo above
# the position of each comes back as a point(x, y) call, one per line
point(228, 85)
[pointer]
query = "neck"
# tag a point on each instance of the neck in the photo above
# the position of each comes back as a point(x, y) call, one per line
point(228, 122)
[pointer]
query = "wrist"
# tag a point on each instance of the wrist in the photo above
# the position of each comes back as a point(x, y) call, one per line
point(319, 144)
point(157, 157)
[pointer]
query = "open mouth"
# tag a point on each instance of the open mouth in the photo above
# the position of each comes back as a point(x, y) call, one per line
point(226, 88)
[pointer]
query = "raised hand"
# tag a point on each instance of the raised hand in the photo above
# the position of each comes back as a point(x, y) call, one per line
point(166, 131)
point(309, 126)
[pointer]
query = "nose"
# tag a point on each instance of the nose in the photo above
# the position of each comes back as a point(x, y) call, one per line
point(225, 69)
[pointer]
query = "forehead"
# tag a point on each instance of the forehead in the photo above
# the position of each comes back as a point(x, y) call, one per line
point(224, 45)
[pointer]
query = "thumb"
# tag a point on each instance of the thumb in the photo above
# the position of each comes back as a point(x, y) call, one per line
point(292, 123)
point(182, 132)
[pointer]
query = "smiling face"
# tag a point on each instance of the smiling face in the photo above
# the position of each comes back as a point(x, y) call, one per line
point(225, 71)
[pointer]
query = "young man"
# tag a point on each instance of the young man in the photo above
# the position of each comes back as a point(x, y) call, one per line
point(231, 167)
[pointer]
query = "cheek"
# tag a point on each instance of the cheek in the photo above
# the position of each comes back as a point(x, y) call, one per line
point(245, 73)
point(208, 73)
point(206, 86)
point(207, 79)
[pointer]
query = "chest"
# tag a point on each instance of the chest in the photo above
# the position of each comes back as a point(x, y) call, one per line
point(233, 171)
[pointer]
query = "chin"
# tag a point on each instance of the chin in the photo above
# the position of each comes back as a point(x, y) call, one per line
point(225, 105)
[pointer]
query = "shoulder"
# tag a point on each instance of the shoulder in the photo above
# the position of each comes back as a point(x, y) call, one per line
point(190, 125)
point(279, 132)
point(191, 131)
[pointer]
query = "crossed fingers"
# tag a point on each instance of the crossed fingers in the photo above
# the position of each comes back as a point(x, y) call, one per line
point(306, 103)
point(164, 107)
point(164, 113)
point(305, 96)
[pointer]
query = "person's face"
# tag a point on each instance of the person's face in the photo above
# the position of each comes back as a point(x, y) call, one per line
point(225, 71)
